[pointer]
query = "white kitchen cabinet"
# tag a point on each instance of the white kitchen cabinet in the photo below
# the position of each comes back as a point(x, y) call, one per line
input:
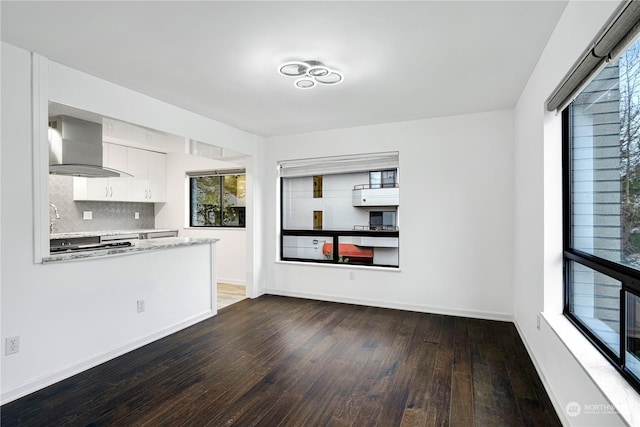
point(149, 171)
point(112, 189)
point(114, 156)
point(147, 184)
point(157, 176)
point(105, 189)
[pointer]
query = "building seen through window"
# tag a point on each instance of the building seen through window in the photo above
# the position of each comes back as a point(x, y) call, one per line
point(348, 214)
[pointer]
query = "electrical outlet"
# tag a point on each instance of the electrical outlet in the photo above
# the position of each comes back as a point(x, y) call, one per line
point(87, 215)
point(140, 305)
point(352, 275)
point(136, 215)
point(12, 345)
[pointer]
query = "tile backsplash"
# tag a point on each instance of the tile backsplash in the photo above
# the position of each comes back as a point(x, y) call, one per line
point(106, 215)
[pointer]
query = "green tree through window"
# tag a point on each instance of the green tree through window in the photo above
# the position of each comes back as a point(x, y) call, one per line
point(218, 200)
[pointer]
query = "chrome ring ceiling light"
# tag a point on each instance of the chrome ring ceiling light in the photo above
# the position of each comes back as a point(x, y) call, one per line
point(310, 73)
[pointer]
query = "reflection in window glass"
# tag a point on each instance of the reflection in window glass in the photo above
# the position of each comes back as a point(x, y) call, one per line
point(317, 186)
point(382, 179)
point(317, 220)
point(382, 220)
point(595, 300)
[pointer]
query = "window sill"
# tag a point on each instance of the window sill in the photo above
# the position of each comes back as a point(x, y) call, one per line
point(348, 266)
point(612, 385)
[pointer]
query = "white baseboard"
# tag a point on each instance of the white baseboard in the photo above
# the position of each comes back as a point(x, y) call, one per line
point(52, 378)
point(476, 314)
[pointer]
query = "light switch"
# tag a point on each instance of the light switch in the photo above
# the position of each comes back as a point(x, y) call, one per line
point(87, 215)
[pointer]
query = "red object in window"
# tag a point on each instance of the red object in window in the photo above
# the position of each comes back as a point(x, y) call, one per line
point(348, 250)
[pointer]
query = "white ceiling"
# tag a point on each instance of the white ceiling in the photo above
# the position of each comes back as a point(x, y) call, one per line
point(401, 60)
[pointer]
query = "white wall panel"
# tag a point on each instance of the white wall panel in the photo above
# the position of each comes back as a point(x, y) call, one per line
point(174, 213)
point(538, 219)
point(455, 216)
point(71, 316)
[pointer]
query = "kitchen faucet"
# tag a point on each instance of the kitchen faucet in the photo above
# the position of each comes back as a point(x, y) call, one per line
point(55, 211)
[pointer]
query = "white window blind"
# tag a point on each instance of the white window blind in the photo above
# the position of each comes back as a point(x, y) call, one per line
point(620, 30)
point(338, 164)
point(221, 172)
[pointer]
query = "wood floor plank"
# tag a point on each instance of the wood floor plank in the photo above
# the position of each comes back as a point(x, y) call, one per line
point(380, 366)
point(438, 409)
point(461, 413)
point(427, 336)
point(290, 362)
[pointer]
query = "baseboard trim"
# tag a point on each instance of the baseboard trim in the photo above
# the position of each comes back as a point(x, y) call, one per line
point(52, 378)
point(476, 314)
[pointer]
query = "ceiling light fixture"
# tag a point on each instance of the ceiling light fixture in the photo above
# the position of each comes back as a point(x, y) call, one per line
point(310, 73)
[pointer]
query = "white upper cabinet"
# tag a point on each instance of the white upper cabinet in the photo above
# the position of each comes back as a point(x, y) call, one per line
point(102, 189)
point(157, 176)
point(114, 156)
point(147, 184)
point(138, 168)
point(149, 171)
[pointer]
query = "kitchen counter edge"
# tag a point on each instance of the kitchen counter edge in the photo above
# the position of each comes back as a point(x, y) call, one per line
point(137, 247)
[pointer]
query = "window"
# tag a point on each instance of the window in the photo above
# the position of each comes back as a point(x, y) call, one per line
point(382, 179)
point(382, 220)
point(317, 186)
point(601, 143)
point(317, 220)
point(217, 199)
point(353, 221)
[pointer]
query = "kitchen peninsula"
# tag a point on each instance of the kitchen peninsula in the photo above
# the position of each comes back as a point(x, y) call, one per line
point(135, 247)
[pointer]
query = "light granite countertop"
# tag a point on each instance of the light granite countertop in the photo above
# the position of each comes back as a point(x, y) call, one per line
point(107, 233)
point(137, 247)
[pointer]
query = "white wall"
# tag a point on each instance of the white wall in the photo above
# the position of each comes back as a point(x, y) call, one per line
point(71, 316)
point(231, 249)
point(538, 217)
point(455, 217)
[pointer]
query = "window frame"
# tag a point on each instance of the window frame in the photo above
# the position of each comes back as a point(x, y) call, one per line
point(221, 175)
point(629, 277)
point(333, 234)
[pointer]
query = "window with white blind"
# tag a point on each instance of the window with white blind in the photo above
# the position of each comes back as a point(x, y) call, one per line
point(601, 167)
point(341, 209)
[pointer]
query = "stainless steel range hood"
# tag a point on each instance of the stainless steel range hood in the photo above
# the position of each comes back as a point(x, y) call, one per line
point(75, 149)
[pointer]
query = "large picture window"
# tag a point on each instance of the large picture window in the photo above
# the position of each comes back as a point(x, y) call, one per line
point(601, 137)
point(217, 199)
point(341, 210)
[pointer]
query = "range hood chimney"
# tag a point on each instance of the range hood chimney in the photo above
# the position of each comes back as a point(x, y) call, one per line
point(75, 149)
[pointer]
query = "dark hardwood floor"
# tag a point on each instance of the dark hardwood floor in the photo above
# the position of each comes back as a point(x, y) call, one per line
point(295, 362)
